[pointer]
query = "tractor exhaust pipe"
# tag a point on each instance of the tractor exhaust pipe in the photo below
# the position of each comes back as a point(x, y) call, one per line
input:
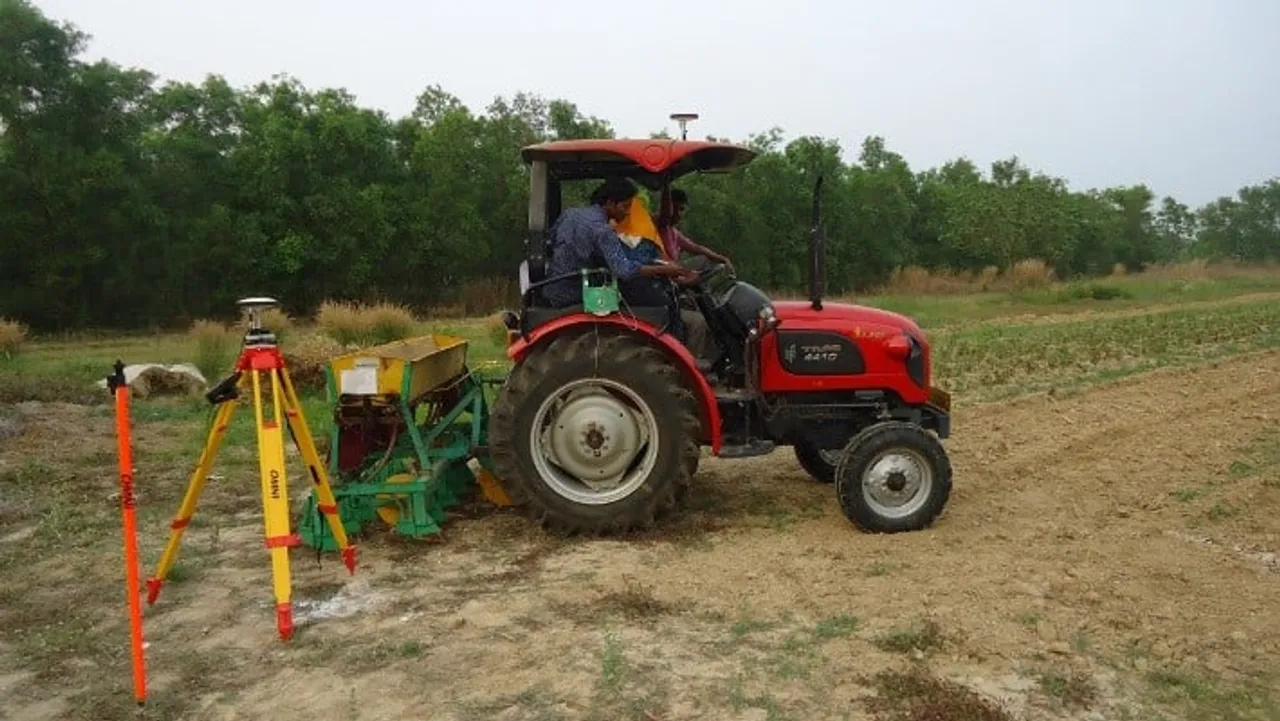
point(817, 250)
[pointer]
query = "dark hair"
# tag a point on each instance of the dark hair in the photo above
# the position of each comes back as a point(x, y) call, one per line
point(679, 196)
point(618, 190)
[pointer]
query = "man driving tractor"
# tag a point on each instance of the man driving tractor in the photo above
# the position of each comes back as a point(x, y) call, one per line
point(584, 238)
point(675, 241)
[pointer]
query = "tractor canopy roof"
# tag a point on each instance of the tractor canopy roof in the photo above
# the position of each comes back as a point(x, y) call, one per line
point(647, 161)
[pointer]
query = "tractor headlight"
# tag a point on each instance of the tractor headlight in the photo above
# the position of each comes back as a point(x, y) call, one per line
point(768, 318)
point(899, 346)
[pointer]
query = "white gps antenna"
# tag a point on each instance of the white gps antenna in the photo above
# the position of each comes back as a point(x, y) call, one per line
point(683, 119)
point(255, 306)
point(257, 335)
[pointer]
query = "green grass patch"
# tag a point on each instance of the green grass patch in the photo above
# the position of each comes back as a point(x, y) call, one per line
point(1075, 690)
point(836, 627)
point(921, 638)
point(1001, 360)
point(1260, 461)
point(1112, 294)
point(1200, 698)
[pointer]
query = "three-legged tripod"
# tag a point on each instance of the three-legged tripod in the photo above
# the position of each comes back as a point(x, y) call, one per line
point(260, 364)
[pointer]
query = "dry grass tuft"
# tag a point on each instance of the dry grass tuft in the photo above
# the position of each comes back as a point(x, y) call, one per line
point(479, 297)
point(1028, 274)
point(488, 295)
point(917, 695)
point(12, 335)
point(635, 601)
point(921, 638)
point(216, 347)
point(364, 325)
point(308, 356)
point(914, 280)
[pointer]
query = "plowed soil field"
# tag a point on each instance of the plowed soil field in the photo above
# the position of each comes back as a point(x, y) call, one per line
point(1107, 553)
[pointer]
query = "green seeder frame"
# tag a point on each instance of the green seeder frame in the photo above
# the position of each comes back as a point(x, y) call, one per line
point(428, 460)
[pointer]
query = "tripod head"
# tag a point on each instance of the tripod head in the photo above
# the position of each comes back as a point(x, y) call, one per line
point(257, 335)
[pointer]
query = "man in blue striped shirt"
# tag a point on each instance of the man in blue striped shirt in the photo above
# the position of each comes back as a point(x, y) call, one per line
point(583, 238)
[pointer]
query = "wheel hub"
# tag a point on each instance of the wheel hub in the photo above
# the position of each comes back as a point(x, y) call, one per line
point(590, 440)
point(897, 482)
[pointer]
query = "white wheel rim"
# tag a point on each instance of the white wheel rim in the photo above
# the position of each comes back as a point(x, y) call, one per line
point(897, 482)
point(594, 441)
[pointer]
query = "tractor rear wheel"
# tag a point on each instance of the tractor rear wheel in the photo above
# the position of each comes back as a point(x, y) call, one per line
point(893, 477)
point(595, 433)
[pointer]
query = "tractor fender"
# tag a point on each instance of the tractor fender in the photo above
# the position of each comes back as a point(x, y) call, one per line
point(710, 411)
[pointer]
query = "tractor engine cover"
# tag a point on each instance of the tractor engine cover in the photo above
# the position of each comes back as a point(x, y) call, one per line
point(845, 348)
point(744, 302)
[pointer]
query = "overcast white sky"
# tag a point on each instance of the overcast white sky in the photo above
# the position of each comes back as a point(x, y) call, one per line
point(1183, 95)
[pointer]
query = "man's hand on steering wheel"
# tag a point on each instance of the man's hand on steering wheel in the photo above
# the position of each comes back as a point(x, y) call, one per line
point(687, 277)
point(717, 258)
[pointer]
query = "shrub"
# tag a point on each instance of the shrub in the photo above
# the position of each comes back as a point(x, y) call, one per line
point(355, 324)
point(307, 358)
point(216, 347)
point(496, 330)
point(388, 322)
point(1029, 273)
point(12, 335)
point(915, 280)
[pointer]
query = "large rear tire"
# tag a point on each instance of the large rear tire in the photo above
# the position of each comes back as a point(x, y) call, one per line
point(893, 477)
point(596, 433)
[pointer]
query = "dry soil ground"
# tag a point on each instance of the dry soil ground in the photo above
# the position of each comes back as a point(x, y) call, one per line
point(1106, 554)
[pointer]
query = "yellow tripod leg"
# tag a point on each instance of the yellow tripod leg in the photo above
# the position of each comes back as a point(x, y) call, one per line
point(275, 497)
point(217, 431)
point(326, 502)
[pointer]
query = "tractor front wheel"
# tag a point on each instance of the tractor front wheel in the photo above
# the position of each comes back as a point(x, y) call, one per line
point(596, 433)
point(893, 477)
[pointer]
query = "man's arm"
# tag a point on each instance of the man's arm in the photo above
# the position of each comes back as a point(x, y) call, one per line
point(610, 247)
point(623, 266)
point(686, 243)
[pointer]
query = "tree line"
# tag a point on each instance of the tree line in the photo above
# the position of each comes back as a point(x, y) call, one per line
point(128, 202)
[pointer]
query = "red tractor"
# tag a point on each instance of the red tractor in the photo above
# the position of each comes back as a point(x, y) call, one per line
point(601, 423)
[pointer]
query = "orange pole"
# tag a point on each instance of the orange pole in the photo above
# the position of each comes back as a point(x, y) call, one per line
point(127, 504)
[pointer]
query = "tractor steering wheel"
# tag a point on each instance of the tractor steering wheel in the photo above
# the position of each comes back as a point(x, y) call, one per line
point(710, 272)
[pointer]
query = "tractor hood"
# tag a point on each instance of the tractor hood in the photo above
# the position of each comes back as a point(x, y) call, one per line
point(844, 315)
